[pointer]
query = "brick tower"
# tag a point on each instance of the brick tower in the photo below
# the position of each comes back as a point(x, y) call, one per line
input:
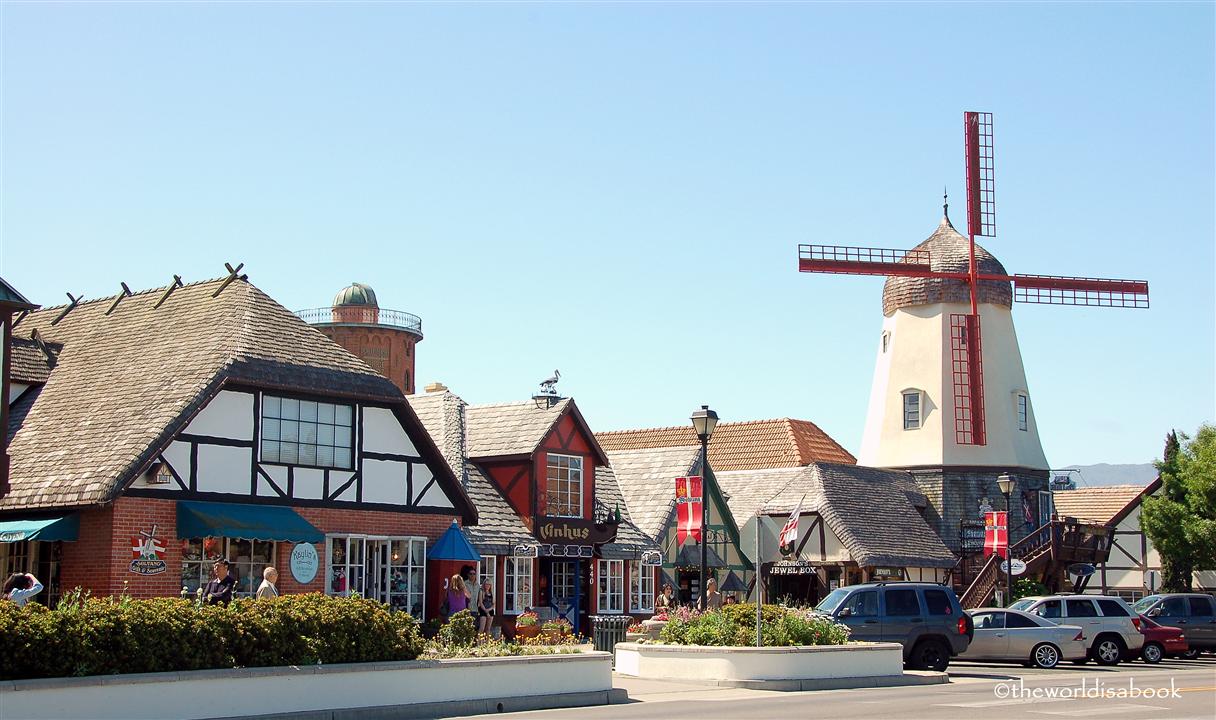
point(384, 339)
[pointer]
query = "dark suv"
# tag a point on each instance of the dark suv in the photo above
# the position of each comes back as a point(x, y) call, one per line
point(1194, 613)
point(924, 617)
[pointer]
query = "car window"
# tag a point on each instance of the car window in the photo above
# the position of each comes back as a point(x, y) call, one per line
point(989, 620)
point(902, 601)
point(1112, 608)
point(1081, 608)
point(1014, 620)
point(1200, 607)
point(1145, 604)
point(1174, 607)
point(1023, 604)
point(938, 602)
point(863, 604)
point(834, 598)
point(1049, 609)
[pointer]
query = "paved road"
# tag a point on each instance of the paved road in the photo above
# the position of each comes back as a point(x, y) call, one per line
point(976, 690)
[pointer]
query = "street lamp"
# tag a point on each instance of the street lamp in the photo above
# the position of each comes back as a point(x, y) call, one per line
point(704, 421)
point(1004, 481)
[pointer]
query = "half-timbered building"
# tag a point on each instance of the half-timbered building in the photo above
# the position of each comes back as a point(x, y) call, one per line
point(554, 532)
point(152, 433)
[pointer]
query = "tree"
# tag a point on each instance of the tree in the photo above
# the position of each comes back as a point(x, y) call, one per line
point(1181, 520)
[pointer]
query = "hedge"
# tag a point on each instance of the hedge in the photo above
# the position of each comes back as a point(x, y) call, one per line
point(105, 636)
point(736, 625)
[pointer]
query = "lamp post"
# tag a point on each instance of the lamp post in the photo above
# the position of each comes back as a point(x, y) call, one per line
point(1004, 481)
point(704, 421)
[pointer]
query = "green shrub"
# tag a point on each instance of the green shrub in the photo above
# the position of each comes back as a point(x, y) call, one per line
point(100, 636)
point(461, 630)
point(736, 625)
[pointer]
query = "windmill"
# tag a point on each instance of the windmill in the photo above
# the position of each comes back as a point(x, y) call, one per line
point(965, 358)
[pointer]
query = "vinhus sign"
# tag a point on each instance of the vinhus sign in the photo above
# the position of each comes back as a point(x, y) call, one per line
point(573, 531)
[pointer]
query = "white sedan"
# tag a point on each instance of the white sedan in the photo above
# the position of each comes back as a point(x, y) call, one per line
point(1004, 634)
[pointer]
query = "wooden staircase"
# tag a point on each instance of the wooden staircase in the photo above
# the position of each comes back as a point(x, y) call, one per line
point(1047, 553)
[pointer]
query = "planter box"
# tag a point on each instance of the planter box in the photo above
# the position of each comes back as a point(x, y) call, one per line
point(741, 664)
point(418, 688)
point(654, 627)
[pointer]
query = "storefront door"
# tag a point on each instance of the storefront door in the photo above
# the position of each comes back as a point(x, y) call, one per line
point(564, 588)
point(377, 570)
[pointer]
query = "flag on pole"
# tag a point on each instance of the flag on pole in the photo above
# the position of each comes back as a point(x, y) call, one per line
point(789, 533)
point(996, 534)
point(688, 509)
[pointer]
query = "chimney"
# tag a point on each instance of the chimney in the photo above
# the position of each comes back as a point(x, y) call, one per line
point(435, 387)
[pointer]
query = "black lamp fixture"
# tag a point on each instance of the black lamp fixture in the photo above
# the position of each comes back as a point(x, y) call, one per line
point(704, 421)
point(1004, 481)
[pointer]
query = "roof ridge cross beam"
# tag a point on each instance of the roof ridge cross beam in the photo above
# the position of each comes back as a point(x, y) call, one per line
point(126, 292)
point(63, 313)
point(232, 275)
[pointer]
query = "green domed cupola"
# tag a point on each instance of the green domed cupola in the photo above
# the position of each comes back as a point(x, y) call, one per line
point(356, 294)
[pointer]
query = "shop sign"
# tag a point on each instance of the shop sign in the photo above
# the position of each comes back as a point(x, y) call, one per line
point(304, 563)
point(575, 531)
point(887, 573)
point(971, 535)
point(792, 567)
point(12, 536)
point(148, 552)
point(652, 558)
point(526, 551)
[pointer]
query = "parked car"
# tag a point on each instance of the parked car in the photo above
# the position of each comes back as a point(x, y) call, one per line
point(1005, 634)
point(1111, 627)
point(1161, 641)
point(924, 617)
point(1194, 613)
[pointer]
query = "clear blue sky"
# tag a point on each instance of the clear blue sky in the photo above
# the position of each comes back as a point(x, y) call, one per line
point(618, 191)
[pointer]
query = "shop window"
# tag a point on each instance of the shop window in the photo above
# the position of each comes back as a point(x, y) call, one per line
point(485, 571)
point(246, 561)
point(641, 587)
point(611, 584)
point(388, 570)
point(564, 486)
point(911, 409)
point(18, 558)
point(305, 432)
point(517, 585)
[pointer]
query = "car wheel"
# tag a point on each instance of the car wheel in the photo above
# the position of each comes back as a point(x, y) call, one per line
point(1108, 650)
point(1045, 655)
point(1190, 654)
point(930, 655)
point(1152, 653)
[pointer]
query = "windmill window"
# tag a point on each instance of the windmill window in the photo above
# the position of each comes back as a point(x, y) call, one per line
point(886, 341)
point(1023, 412)
point(911, 410)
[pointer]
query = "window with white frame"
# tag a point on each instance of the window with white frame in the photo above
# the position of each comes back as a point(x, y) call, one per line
point(347, 564)
point(391, 570)
point(306, 432)
point(911, 409)
point(564, 486)
point(886, 341)
point(247, 559)
point(485, 571)
point(611, 584)
point(517, 585)
point(641, 587)
point(1023, 411)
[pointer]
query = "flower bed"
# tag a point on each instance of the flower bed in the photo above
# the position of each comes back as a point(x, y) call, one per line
point(735, 625)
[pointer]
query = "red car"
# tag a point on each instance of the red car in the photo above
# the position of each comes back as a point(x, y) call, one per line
point(1160, 640)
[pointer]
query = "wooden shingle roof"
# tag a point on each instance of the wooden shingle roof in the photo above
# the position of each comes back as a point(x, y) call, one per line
point(1099, 505)
point(949, 251)
point(757, 444)
point(125, 383)
point(510, 429)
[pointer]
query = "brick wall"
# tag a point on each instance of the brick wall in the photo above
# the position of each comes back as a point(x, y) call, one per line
point(100, 560)
point(388, 351)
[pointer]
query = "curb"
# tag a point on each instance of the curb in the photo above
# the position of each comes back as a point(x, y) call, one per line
point(850, 683)
point(418, 711)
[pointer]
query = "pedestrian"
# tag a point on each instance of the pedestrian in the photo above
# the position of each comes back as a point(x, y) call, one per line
point(485, 608)
point(20, 587)
point(667, 600)
point(268, 589)
point(219, 590)
point(458, 593)
point(713, 598)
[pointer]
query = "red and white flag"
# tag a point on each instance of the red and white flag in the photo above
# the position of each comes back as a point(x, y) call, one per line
point(996, 534)
point(688, 509)
point(789, 533)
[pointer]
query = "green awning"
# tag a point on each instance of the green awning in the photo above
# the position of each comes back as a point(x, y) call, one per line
point(46, 529)
point(250, 522)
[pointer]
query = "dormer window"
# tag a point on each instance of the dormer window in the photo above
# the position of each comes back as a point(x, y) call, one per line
point(306, 432)
point(911, 409)
point(564, 486)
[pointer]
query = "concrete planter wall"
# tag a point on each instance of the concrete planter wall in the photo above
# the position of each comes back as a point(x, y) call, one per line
point(856, 661)
point(417, 688)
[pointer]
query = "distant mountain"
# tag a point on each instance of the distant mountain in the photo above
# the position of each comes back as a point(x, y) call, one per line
point(1106, 474)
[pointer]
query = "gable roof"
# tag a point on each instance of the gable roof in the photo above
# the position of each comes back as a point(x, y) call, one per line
point(510, 429)
point(28, 362)
point(752, 445)
point(647, 482)
point(126, 383)
point(1101, 505)
point(10, 298)
point(870, 510)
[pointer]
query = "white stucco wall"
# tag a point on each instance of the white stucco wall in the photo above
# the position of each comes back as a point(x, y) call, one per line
point(918, 357)
point(228, 415)
point(382, 433)
point(698, 662)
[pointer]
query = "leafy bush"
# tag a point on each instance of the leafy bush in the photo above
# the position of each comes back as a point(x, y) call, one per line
point(101, 636)
point(492, 647)
point(1028, 587)
point(736, 625)
point(527, 619)
point(461, 630)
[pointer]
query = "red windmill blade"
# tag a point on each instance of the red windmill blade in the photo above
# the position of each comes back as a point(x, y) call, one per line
point(966, 351)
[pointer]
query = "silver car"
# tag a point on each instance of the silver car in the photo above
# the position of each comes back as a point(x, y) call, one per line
point(1004, 634)
point(1112, 628)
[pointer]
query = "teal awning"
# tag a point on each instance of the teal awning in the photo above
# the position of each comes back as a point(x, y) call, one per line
point(453, 545)
point(250, 522)
point(46, 529)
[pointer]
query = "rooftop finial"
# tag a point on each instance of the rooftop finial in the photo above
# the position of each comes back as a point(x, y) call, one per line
point(945, 204)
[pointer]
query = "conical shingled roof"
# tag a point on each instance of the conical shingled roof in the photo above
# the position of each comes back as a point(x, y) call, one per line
point(948, 252)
